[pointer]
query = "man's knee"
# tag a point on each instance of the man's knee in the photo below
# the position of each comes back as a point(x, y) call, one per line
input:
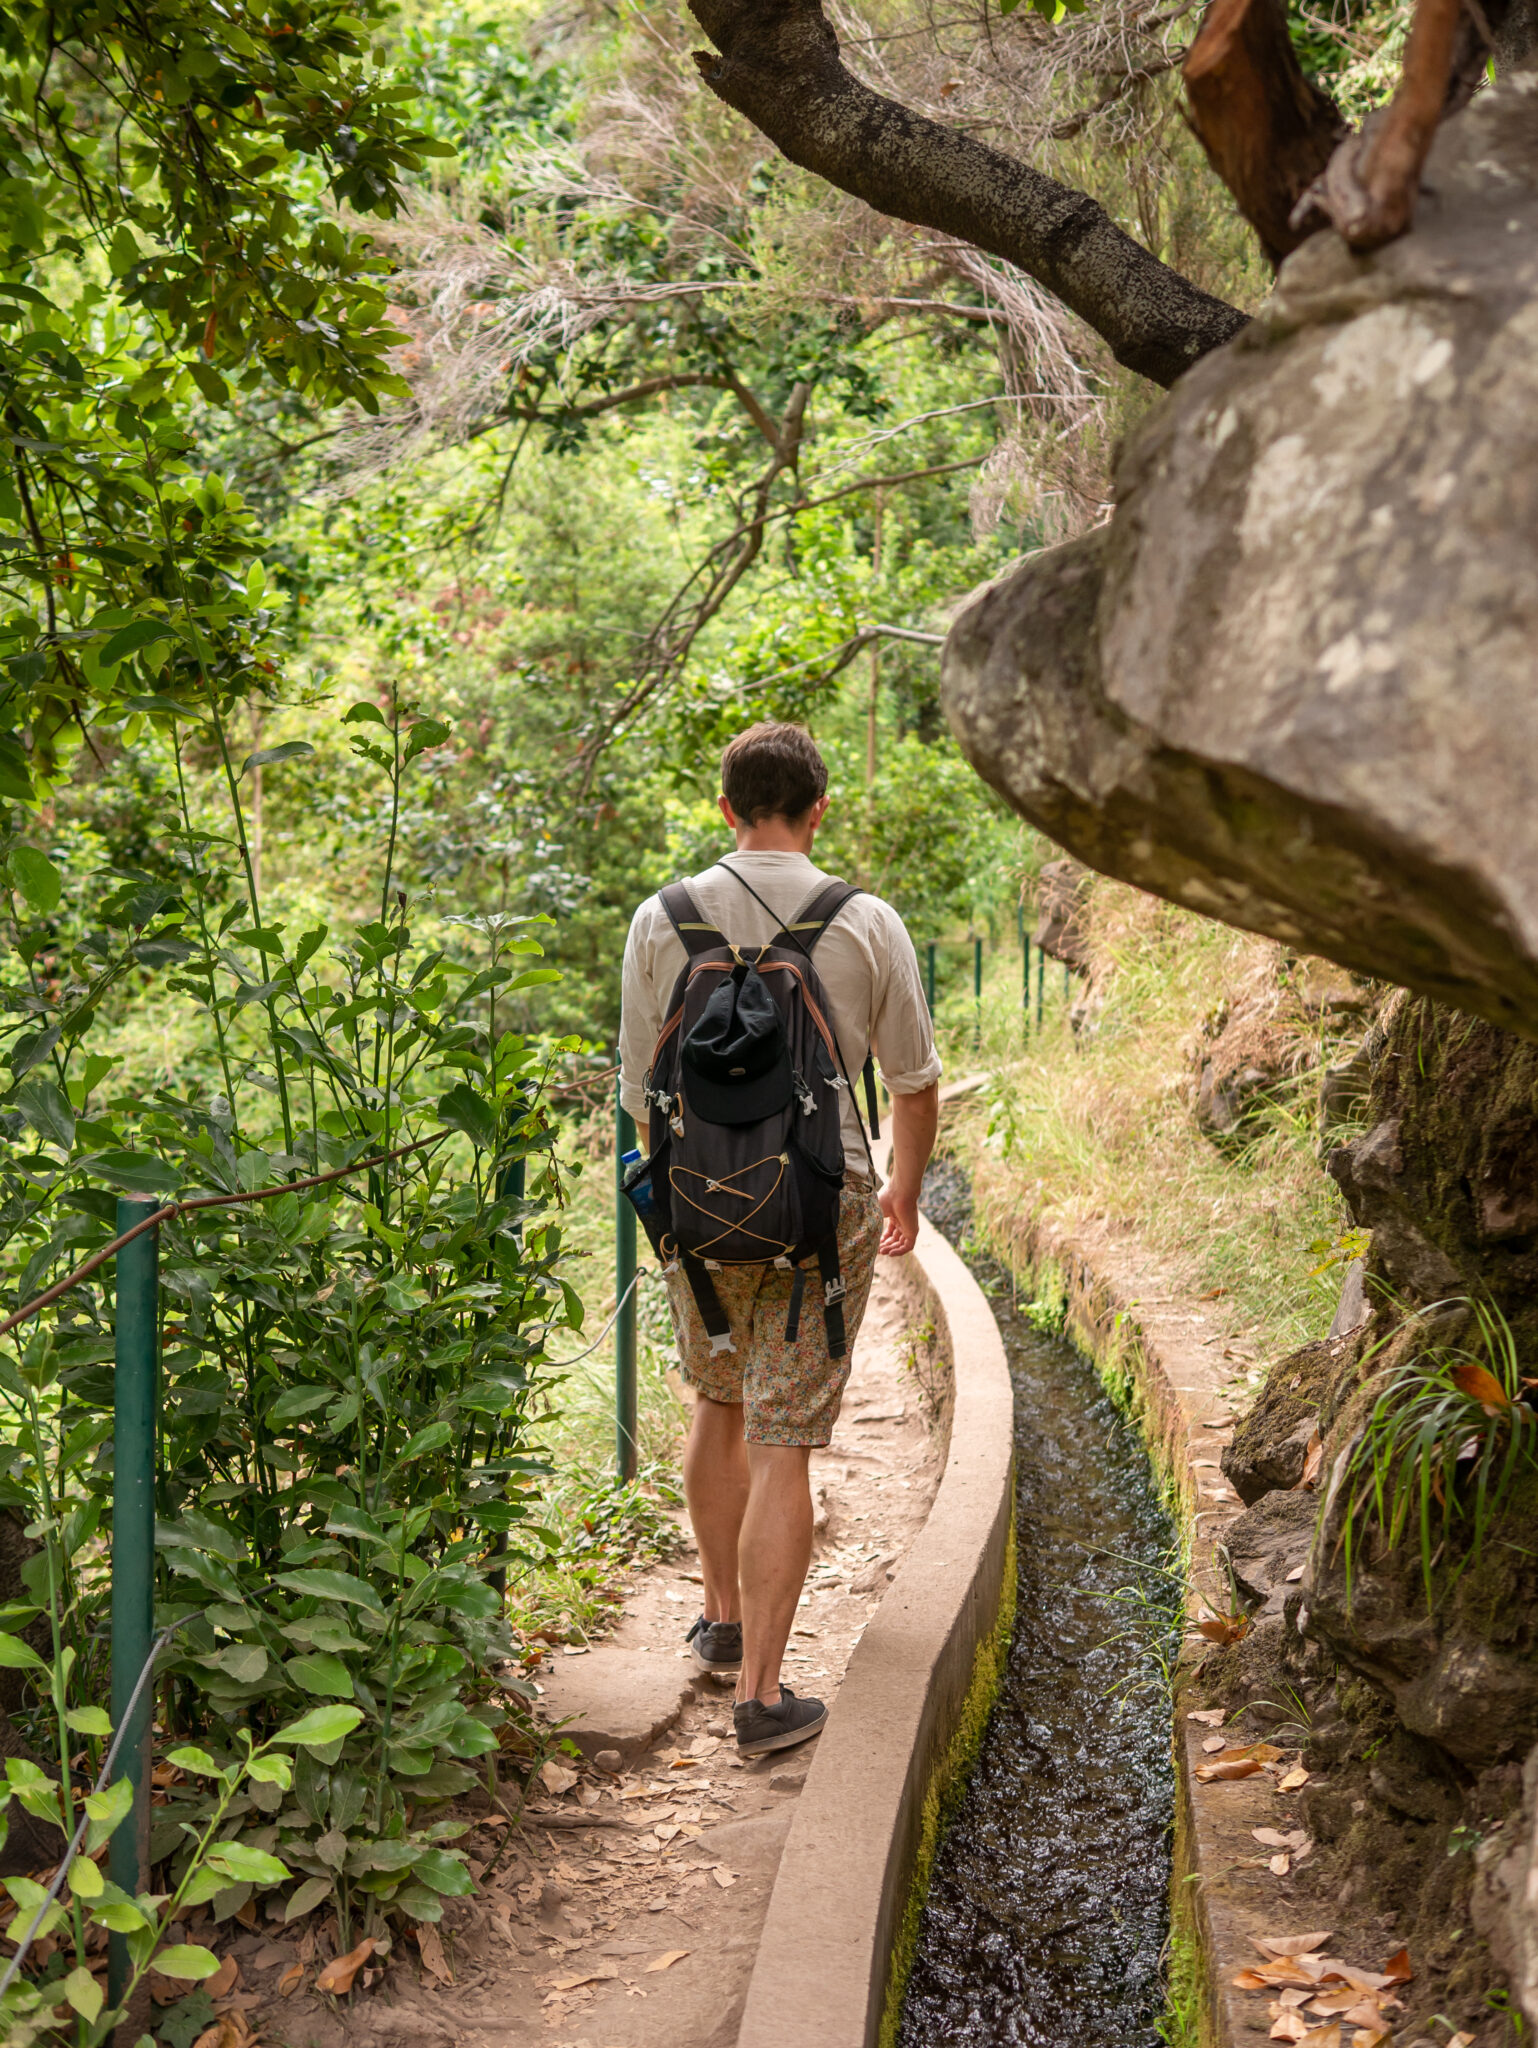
point(716, 1421)
point(780, 1464)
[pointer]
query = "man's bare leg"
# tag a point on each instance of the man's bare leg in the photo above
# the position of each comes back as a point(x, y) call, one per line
point(776, 1548)
point(716, 1488)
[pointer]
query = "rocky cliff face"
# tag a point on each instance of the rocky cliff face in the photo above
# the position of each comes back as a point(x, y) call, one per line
point(1436, 1690)
point(1290, 683)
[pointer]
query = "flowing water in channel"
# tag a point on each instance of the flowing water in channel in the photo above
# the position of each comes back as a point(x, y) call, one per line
point(1048, 1908)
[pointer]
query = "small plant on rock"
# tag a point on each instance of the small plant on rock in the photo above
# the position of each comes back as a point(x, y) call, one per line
point(1448, 1437)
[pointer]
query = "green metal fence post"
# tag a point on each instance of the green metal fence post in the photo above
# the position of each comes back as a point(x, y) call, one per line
point(977, 994)
point(136, 1401)
point(625, 1320)
point(512, 1186)
point(929, 978)
point(1041, 982)
point(1025, 976)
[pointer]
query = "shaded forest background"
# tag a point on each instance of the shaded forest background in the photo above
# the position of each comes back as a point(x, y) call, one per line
point(630, 494)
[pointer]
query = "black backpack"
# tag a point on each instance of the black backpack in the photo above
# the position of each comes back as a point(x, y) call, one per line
point(746, 1153)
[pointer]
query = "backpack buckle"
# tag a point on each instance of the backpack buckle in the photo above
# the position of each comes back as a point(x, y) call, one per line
point(722, 1341)
point(832, 1291)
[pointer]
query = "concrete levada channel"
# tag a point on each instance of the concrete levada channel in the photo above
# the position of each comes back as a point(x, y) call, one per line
point(1048, 1907)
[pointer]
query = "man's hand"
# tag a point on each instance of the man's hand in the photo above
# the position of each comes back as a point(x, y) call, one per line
point(902, 1222)
point(915, 1120)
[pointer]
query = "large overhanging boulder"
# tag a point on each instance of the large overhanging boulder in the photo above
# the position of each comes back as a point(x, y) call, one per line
point(1294, 683)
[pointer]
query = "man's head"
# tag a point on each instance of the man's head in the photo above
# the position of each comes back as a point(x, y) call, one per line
point(774, 783)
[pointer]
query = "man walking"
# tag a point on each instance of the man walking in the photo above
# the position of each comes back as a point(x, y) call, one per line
point(769, 1379)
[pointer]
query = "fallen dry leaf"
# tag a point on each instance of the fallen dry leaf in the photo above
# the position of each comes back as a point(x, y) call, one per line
point(166, 1990)
point(1292, 1971)
point(1313, 1458)
point(1362, 1980)
point(1369, 2037)
point(1291, 1944)
point(602, 1974)
point(434, 1961)
point(1295, 1777)
point(724, 1878)
point(1323, 2037)
point(1213, 1743)
point(1398, 1970)
point(1291, 1997)
point(1280, 1865)
point(667, 1959)
point(1366, 2013)
point(1225, 1628)
point(1334, 2004)
point(1289, 2026)
point(1229, 1767)
point(224, 2033)
point(665, 1830)
point(224, 1980)
point(291, 1980)
point(1251, 1980)
point(556, 1778)
point(1461, 2041)
point(1480, 1386)
point(338, 1974)
point(1271, 1838)
point(1295, 1574)
point(1210, 1717)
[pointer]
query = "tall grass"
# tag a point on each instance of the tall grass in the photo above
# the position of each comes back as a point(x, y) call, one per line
point(1097, 1123)
point(1447, 1438)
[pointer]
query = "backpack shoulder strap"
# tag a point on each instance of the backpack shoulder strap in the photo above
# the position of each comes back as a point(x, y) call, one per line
point(815, 915)
point(695, 935)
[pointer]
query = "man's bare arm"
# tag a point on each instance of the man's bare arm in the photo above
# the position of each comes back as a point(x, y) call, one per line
point(915, 1120)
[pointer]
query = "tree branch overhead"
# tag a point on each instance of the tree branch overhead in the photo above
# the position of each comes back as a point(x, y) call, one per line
point(779, 66)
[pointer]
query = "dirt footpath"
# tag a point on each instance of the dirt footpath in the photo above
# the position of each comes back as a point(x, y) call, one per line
point(625, 1912)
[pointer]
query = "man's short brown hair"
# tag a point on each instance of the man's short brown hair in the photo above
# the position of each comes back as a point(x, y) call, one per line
point(772, 771)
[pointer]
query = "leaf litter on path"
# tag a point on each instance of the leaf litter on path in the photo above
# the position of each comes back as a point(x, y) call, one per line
point(1316, 1995)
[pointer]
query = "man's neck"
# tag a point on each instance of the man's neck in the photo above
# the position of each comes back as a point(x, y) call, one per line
point(776, 835)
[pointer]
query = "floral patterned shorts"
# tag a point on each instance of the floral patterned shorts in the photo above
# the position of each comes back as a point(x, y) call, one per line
point(790, 1393)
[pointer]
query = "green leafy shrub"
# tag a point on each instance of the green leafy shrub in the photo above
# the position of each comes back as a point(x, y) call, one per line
point(65, 1995)
point(351, 1366)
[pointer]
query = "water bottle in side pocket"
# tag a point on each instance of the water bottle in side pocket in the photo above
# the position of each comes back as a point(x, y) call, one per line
point(636, 1186)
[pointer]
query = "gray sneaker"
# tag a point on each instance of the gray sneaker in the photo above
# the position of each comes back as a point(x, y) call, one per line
point(717, 1646)
point(782, 1726)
